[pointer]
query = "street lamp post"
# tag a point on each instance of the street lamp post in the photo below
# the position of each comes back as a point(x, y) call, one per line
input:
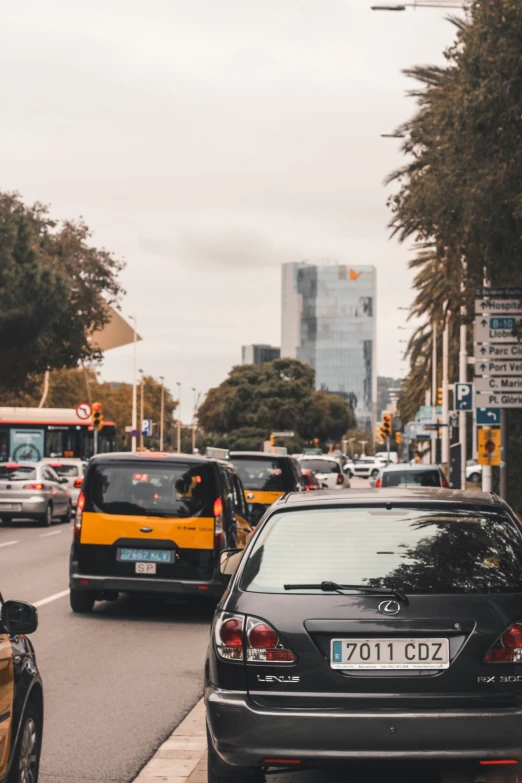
point(162, 410)
point(179, 418)
point(134, 423)
point(141, 409)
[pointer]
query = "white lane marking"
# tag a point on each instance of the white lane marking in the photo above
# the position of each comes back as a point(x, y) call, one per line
point(51, 598)
point(52, 533)
point(9, 543)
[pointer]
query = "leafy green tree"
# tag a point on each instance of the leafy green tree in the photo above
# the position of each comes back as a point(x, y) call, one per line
point(255, 401)
point(459, 195)
point(54, 291)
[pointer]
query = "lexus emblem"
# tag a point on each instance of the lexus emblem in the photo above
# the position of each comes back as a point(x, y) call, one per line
point(389, 607)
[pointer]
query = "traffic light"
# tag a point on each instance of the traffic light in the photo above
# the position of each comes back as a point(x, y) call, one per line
point(386, 426)
point(439, 395)
point(272, 440)
point(398, 438)
point(97, 416)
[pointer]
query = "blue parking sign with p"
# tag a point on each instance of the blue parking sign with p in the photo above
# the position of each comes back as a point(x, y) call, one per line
point(463, 396)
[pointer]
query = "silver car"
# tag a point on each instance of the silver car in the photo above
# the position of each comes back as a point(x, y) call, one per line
point(73, 470)
point(32, 490)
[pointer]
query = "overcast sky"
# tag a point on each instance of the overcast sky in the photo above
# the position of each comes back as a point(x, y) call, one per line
point(208, 141)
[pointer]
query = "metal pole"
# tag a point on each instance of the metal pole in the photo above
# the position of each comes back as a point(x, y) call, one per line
point(504, 453)
point(463, 378)
point(162, 411)
point(434, 390)
point(141, 411)
point(388, 448)
point(445, 394)
point(95, 441)
point(179, 418)
point(134, 390)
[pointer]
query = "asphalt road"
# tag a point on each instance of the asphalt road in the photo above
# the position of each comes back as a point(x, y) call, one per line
point(116, 682)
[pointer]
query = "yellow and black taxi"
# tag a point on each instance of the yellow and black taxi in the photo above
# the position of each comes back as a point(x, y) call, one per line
point(154, 523)
point(21, 695)
point(266, 476)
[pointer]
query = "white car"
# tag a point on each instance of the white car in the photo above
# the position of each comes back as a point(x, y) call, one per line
point(473, 472)
point(368, 467)
point(327, 470)
point(71, 469)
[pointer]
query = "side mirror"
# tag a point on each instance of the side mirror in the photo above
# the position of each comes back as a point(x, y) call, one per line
point(229, 560)
point(19, 617)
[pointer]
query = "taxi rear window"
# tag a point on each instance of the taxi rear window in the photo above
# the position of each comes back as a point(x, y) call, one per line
point(151, 489)
point(266, 474)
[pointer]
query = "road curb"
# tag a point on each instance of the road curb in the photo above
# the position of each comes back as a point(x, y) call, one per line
point(183, 757)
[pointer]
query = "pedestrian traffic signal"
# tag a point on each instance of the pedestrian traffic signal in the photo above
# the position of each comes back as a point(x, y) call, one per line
point(398, 438)
point(386, 426)
point(272, 440)
point(439, 395)
point(97, 416)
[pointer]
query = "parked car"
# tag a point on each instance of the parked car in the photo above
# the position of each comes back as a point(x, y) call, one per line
point(32, 490)
point(473, 472)
point(311, 481)
point(367, 467)
point(411, 475)
point(383, 456)
point(71, 469)
point(398, 639)
point(327, 470)
point(21, 695)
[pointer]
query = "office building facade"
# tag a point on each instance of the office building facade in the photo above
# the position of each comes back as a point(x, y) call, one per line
point(329, 321)
point(259, 354)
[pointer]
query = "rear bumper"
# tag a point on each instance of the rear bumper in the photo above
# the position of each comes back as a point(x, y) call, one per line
point(245, 734)
point(28, 509)
point(104, 584)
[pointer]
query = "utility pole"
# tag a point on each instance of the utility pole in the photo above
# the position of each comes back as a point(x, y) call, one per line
point(445, 394)
point(179, 418)
point(134, 422)
point(463, 378)
point(162, 410)
point(194, 419)
point(434, 389)
point(141, 411)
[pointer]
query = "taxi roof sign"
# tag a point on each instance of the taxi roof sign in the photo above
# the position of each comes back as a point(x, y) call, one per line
point(214, 453)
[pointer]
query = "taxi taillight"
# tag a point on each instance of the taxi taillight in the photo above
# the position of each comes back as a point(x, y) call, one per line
point(79, 515)
point(219, 533)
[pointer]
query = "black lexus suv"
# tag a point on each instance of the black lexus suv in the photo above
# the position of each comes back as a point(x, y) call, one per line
point(369, 628)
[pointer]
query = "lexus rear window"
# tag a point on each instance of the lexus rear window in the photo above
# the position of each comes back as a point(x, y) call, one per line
point(20, 473)
point(151, 489)
point(321, 465)
point(264, 474)
point(414, 550)
point(411, 478)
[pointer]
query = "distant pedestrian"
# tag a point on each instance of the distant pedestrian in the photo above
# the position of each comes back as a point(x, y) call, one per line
point(417, 458)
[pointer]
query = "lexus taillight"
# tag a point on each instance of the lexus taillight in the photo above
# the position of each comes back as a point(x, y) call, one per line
point(219, 535)
point(263, 644)
point(340, 479)
point(508, 649)
point(378, 483)
point(228, 636)
point(78, 483)
point(38, 485)
point(79, 515)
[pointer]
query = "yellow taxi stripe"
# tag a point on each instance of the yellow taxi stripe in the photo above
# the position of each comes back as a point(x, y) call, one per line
point(187, 533)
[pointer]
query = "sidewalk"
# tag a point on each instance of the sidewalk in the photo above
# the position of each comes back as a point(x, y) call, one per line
point(183, 757)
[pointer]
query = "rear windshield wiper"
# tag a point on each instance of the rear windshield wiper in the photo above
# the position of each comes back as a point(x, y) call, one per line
point(333, 587)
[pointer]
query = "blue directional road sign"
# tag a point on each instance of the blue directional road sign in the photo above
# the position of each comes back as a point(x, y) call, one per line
point(464, 396)
point(489, 416)
point(146, 428)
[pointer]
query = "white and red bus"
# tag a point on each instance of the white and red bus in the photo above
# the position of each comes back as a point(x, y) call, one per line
point(35, 433)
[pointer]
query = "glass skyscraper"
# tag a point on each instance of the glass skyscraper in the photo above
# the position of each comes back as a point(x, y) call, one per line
point(328, 321)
